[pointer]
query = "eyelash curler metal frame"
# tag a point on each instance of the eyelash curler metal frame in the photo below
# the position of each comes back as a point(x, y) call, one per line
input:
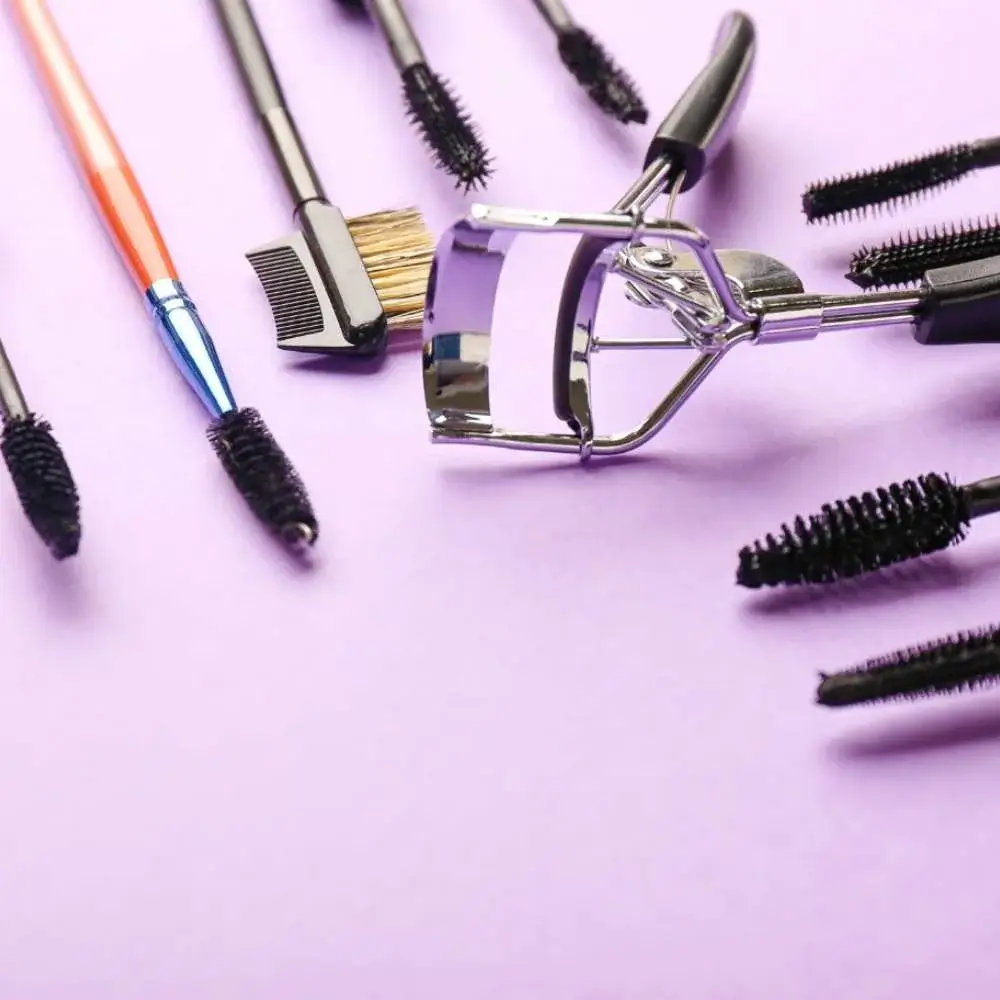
point(717, 300)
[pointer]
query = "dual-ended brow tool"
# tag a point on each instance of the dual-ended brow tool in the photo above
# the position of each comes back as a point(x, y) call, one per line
point(964, 662)
point(38, 468)
point(336, 286)
point(256, 464)
point(854, 195)
point(716, 300)
point(446, 129)
point(866, 533)
point(607, 85)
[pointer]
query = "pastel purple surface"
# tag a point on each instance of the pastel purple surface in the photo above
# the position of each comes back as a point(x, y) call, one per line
point(517, 735)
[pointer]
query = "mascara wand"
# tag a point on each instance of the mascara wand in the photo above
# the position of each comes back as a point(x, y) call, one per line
point(258, 467)
point(963, 662)
point(607, 85)
point(444, 126)
point(905, 260)
point(866, 533)
point(41, 476)
point(852, 195)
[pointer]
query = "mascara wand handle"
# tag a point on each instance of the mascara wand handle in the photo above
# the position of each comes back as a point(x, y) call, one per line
point(557, 17)
point(394, 24)
point(119, 199)
point(702, 121)
point(264, 90)
point(13, 405)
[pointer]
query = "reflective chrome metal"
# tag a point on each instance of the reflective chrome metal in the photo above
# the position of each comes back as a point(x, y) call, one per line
point(716, 299)
point(184, 335)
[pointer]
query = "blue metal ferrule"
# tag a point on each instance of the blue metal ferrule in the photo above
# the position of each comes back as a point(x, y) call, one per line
point(186, 338)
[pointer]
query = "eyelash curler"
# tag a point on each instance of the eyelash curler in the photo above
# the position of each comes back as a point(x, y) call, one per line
point(717, 300)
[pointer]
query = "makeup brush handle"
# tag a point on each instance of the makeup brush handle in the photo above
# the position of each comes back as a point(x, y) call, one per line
point(13, 405)
point(118, 197)
point(264, 90)
point(555, 13)
point(703, 120)
point(395, 25)
point(983, 497)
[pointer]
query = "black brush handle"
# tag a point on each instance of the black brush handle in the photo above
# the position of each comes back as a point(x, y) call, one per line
point(390, 15)
point(986, 152)
point(557, 17)
point(264, 89)
point(703, 120)
point(961, 304)
point(13, 405)
point(983, 497)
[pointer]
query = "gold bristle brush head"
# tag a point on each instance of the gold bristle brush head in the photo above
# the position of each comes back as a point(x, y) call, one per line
point(397, 249)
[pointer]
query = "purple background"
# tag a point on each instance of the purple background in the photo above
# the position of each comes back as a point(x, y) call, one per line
point(517, 736)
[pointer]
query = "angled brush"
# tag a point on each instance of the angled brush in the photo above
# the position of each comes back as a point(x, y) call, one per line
point(962, 662)
point(905, 260)
point(446, 129)
point(335, 286)
point(606, 83)
point(853, 195)
point(38, 468)
point(866, 533)
point(255, 463)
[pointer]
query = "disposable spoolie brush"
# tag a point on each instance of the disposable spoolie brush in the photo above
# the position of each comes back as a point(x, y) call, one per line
point(608, 86)
point(852, 195)
point(336, 286)
point(905, 260)
point(962, 662)
point(256, 464)
point(446, 129)
point(41, 476)
point(866, 533)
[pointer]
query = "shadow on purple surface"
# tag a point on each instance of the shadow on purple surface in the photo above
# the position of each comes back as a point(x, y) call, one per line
point(941, 572)
point(333, 365)
point(748, 466)
point(979, 724)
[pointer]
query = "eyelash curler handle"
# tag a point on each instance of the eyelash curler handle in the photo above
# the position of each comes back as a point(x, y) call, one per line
point(702, 121)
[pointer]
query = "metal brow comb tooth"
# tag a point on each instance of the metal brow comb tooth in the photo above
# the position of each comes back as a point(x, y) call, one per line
point(303, 321)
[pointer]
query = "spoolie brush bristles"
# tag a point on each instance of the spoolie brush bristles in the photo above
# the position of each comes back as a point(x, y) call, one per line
point(445, 127)
point(609, 87)
point(43, 482)
point(853, 195)
point(905, 260)
point(397, 249)
point(264, 476)
point(860, 535)
point(958, 663)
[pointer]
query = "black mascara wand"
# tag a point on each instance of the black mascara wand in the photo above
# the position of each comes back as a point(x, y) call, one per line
point(445, 127)
point(962, 662)
point(38, 468)
point(608, 86)
point(257, 466)
point(905, 260)
point(866, 533)
point(852, 195)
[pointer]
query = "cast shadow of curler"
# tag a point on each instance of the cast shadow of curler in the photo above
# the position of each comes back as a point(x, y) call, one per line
point(938, 573)
point(962, 727)
point(767, 463)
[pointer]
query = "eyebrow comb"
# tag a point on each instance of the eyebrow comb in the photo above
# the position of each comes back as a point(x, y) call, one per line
point(335, 286)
